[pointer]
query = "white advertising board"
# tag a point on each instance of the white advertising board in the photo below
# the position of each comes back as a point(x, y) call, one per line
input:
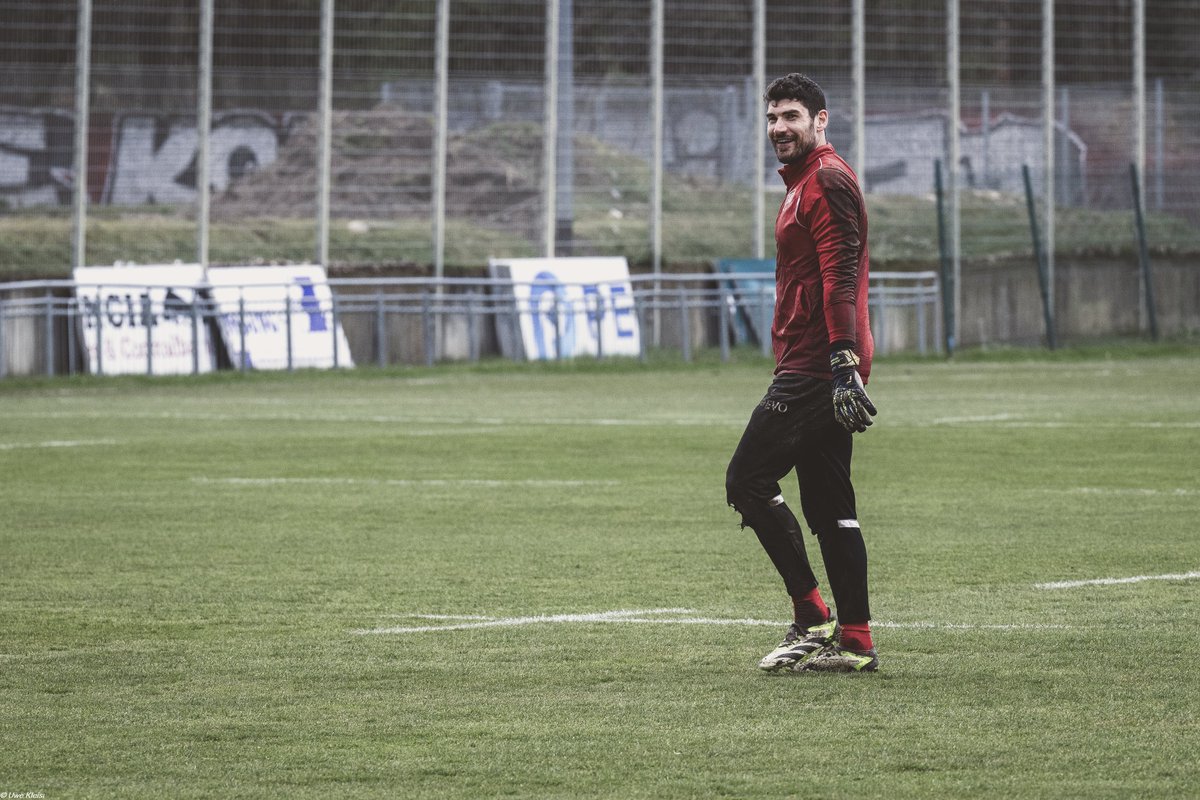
point(278, 317)
point(569, 307)
point(145, 319)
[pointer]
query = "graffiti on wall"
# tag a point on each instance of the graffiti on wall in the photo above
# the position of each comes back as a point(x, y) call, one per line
point(901, 151)
point(154, 158)
point(135, 159)
point(35, 157)
point(141, 158)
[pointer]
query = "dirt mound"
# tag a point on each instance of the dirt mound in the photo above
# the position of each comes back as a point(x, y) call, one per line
point(381, 168)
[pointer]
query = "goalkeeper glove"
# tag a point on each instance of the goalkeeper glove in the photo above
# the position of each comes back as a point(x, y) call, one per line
point(851, 406)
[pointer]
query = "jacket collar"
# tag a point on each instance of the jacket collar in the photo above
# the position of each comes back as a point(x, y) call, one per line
point(795, 171)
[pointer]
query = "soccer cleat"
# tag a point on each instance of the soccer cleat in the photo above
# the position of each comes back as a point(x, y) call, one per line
point(799, 645)
point(836, 658)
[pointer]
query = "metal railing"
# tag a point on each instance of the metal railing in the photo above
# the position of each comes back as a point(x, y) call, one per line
point(46, 328)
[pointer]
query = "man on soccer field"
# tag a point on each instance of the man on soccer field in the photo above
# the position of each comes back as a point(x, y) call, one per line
point(822, 341)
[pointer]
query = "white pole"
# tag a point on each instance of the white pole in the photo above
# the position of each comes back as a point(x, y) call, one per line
point(1139, 126)
point(564, 186)
point(858, 70)
point(656, 125)
point(952, 70)
point(656, 168)
point(1139, 93)
point(550, 130)
point(204, 132)
point(441, 138)
point(1159, 125)
point(760, 138)
point(985, 113)
point(325, 135)
point(83, 68)
point(1048, 115)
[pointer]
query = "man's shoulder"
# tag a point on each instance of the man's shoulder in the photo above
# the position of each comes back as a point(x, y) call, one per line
point(831, 184)
point(834, 173)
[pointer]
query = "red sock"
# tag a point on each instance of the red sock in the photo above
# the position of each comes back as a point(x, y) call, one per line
point(810, 609)
point(857, 636)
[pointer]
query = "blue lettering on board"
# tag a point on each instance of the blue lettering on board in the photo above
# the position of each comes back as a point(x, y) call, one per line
point(311, 306)
point(550, 317)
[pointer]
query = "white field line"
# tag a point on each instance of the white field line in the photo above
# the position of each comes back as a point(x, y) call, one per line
point(443, 425)
point(1009, 421)
point(1135, 492)
point(974, 419)
point(441, 616)
point(57, 443)
point(454, 482)
point(652, 616)
point(1182, 576)
point(390, 419)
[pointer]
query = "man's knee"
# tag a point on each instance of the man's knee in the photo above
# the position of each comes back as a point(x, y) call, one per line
point(758, 505)
point(742, 494)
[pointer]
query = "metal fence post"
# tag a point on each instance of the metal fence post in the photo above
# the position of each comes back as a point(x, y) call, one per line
point(380, 332)
point(1048, 167)
point(599, 326)
point(882, 301)
point(3, 344)
point(325, 130)
point(334, 328)
point(427, 327)
point(514, 331)
point(946, 260)
point(287, 327)
point(557, 329)
point(148, 322)
point(49, 300)
point(639, 310)
point(921, 308)
point(1143, 253)
point(1159, 150)
point(241, 332)
point(472, 328)
point(723, 305)
point(83, 90)
point(935, 306)
point(204, 93)
point(685, 324)
point(550, 130)
point(196, 332)
point(1044, 278)
point(69, 313)
point(99, 335)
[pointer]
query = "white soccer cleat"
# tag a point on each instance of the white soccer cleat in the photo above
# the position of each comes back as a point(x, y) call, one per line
point(799, 645)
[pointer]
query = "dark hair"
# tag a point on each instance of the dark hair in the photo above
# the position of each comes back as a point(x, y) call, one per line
point(795, 86)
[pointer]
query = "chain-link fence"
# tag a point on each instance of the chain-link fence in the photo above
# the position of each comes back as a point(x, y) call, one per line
point(456, 130)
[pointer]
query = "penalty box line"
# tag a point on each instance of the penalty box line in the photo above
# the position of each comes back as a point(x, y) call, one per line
point(1179, 576)
point(56, 443)
point(686, 616)
point(651, 616)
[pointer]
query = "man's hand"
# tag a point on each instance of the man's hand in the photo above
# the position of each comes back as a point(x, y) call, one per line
point(851, 406)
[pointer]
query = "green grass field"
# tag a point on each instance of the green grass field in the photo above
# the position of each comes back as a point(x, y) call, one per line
point(524, 582)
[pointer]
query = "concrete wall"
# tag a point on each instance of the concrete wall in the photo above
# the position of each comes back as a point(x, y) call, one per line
point(1100, 297)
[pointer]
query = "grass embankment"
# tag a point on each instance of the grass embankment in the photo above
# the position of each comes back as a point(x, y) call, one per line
point(700, 223)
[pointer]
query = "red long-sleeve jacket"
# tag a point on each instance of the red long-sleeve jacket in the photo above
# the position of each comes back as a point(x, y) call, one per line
point(821, 267)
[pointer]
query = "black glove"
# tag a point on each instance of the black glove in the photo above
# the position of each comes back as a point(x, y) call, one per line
point(851, 406)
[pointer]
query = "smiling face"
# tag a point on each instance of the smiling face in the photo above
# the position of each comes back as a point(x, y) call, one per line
point(793, 131)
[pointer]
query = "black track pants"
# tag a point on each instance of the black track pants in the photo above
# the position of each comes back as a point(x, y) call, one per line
point(793, 428)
